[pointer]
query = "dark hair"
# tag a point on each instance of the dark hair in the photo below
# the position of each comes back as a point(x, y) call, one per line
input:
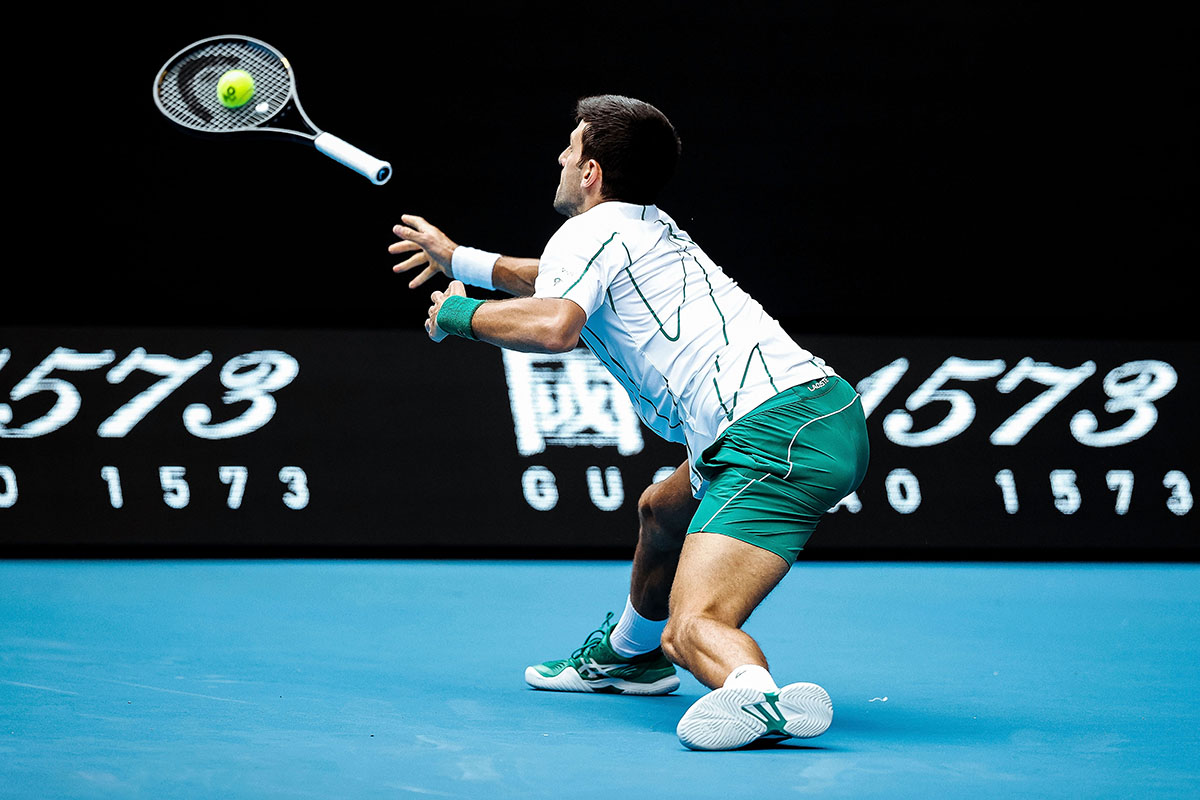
point(633, 142)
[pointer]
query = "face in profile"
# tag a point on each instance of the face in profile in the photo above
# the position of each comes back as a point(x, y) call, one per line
point(568, 199)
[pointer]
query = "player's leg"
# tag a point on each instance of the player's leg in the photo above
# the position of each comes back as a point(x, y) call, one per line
point(664, 511)
point(719, 583)
point(625, 656)
point(775, 473)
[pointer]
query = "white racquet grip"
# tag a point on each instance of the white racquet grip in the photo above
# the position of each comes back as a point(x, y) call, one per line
point(473, 267)
point(377, 171)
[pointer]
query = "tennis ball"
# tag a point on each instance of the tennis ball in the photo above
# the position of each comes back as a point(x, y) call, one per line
point(235, 88)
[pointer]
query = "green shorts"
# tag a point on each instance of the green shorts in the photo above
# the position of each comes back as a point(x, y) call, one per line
point(777, 470)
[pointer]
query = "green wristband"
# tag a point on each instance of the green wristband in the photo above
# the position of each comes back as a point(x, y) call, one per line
point(455, 315)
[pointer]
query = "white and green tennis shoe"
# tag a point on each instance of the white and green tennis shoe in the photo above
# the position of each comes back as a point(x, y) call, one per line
point(595, 667)
point(733, 717)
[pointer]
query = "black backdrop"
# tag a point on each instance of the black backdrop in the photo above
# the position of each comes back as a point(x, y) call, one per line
point(961, 171)
point(945, 168)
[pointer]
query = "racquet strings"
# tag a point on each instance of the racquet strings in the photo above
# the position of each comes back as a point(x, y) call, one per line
point(187, 88)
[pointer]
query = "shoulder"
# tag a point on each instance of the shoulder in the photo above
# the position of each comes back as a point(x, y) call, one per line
point(600, 227)
point(580, 235)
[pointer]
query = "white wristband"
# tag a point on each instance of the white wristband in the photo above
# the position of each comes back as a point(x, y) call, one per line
point(473, 267)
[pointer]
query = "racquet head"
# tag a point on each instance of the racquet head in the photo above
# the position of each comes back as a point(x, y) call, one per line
point(185, 90)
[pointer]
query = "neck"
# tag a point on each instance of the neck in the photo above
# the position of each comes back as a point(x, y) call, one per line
point(589, 203)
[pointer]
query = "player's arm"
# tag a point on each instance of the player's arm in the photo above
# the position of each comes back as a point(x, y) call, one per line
point(515, 275)
point(526, 324)
point(435, 251)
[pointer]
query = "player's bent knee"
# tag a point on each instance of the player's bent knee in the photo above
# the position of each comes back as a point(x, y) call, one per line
point(679, 637)
point(673, 646)
point(658, 524)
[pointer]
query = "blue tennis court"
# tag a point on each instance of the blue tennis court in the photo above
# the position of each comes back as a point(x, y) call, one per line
point(404, 679)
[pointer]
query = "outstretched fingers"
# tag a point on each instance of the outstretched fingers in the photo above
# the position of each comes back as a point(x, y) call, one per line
point(429, 247)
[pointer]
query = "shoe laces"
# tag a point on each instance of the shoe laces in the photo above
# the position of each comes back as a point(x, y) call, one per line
point(595, 637)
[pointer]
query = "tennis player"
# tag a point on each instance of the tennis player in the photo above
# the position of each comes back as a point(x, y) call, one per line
point(774, 438)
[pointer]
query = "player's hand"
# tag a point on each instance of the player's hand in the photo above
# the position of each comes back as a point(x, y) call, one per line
point(431, 248)
point(431, 327)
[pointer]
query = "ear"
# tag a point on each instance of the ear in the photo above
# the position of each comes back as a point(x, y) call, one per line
point(591, 176)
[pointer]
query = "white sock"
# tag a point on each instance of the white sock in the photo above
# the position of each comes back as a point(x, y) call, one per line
point(751, 676)
point(634, 634)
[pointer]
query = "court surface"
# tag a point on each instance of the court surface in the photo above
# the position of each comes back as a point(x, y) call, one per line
point(383, 679)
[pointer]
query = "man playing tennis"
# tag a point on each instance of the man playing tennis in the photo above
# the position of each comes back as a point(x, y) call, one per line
point(774, 437)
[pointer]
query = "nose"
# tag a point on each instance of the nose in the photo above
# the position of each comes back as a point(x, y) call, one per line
point(562, 157)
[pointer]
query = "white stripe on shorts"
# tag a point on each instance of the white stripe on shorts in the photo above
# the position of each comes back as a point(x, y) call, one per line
point(805, 425)
point(789, 460)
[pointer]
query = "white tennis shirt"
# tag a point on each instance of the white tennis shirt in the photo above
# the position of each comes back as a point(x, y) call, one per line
point(694, 351)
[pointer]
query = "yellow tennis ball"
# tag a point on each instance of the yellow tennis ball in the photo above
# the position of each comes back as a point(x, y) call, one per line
point(235, 88)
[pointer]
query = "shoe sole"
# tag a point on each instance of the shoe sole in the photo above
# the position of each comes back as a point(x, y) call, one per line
point(569, 680)
point(729, 718)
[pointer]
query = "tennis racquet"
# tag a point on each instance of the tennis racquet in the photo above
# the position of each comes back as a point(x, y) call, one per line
point(185, 91)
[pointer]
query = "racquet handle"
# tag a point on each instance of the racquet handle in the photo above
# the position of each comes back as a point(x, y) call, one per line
point(377, 171)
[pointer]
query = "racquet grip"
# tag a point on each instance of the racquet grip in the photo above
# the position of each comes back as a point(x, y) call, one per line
point(377, 171)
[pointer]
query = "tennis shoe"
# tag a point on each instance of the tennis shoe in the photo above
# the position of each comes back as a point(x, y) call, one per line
point(596, 667)
point(733, 717)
